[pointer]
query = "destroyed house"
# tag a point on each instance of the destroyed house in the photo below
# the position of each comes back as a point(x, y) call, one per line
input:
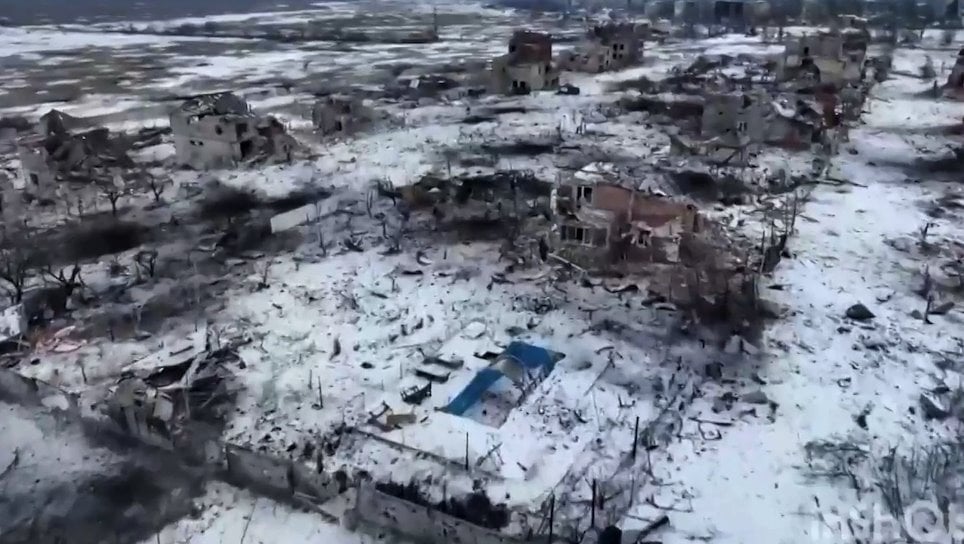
point(218, 130)
point(528, 66)
point(58, 122)
point(158, 405)
point(58, 155)
point(736, 14)
point(848, 20)
point(795, 126)
point(855, 43)
point(733, 120)
point(731, 13)
point(739, 122)
point(660, 10)
point(829, 58)
point(501, 197)
point(528, 46)
point(608, 47)
point(10, 201)
point(608, 223)
point(688, 11)
point(340, 114)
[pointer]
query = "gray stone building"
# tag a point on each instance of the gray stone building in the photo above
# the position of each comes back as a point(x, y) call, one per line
point(732, 123)
point(735, 125)
point(734, 14)
point(37, 172)
point(603, 223)
point(528, 66)
point(11, 205)
point(833, 59)
point(220, 130)
point(341, 114)
point(56, 154)
point(608, 47)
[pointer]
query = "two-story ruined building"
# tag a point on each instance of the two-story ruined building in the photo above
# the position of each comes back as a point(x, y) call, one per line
point(218, 130)
point(734, 14)
point(340, 114)
point(528, 66)
point(603, 223)
point(607, 47)
point(834, 59)
point(732, 122)
point(57, 153)
point(735, 125)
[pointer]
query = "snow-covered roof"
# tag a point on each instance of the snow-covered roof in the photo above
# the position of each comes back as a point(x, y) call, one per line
point(221, 103)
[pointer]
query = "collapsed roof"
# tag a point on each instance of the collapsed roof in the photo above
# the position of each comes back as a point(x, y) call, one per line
point(68, 153)
point(222, 103)
point(58, 122)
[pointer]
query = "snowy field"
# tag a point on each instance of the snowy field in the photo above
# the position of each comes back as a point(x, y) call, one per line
point(81, 69)
point(227, 514)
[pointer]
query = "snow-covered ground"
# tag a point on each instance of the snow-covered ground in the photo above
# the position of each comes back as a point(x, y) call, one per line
point(57, 485)
point(72, 67)
point(831, 377)
point(228, 514)
point(337, 335)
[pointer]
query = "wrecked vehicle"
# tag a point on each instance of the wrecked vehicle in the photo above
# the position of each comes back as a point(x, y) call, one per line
point(569, 90)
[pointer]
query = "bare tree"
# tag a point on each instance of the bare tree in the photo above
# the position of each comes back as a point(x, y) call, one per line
point(17, 259)
point(926, 472)
point(157, 186)
point(67, 285)
point(113, 189)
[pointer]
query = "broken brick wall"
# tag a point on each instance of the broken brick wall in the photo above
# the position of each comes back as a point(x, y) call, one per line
point(421, 523)
point(663, 211)
point(613, 198)
point(278, 476)
point(530, 47)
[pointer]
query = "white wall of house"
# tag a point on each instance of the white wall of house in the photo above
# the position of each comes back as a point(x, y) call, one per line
point(36, 176)
point(203, 154)
point(210, 141)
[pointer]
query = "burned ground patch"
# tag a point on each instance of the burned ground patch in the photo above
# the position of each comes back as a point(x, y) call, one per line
point(63, 488)
point(475, 508)
point(99, 238)
point(225, 202)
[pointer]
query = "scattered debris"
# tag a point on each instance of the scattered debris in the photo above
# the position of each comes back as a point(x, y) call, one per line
point(932, 407)
point(859, 312)
point(755, 397)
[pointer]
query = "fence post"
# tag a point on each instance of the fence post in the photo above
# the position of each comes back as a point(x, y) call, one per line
point(552, 515)
point(635, 437)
